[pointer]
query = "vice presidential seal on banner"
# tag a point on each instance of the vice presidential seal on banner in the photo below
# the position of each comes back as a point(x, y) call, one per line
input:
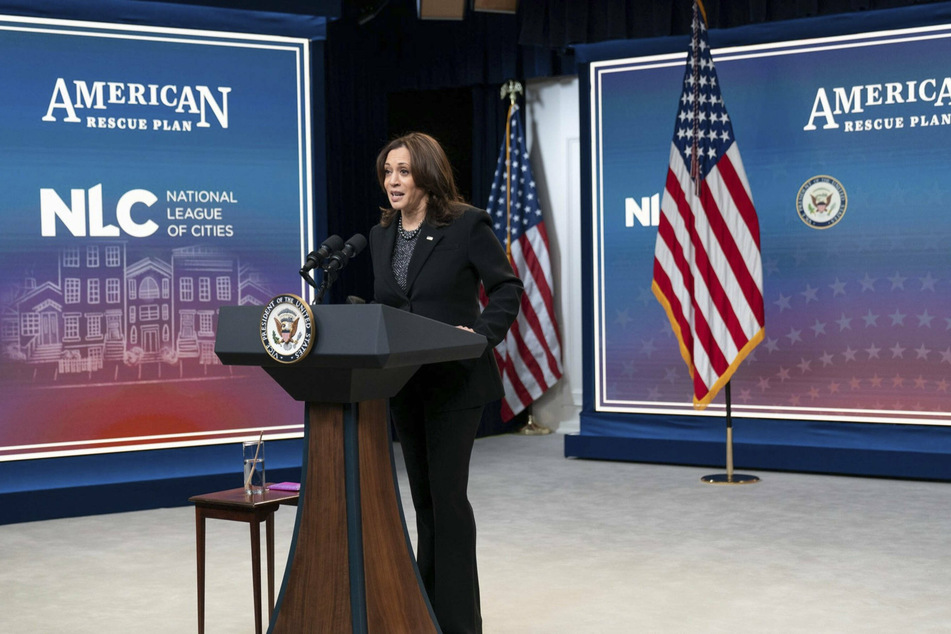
point(287, 328)
point(821, 202)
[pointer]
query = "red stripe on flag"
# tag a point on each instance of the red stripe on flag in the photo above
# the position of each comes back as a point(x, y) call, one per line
point(698, 255)
point(677, 310)
point(665, 293)
point(540, 275)
point(718, 295)
point(537, 286)
point(744, 206)
point(704, 337)
point(521, 397)
point(528, 359)
point(666, 233)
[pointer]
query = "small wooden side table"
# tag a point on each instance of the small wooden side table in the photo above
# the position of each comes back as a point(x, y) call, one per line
point(235, 504)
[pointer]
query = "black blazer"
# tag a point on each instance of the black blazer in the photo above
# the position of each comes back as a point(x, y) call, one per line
point(443, 284)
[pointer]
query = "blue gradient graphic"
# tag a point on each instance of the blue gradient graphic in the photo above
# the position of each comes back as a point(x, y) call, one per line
point(858, 315)
point(119, 329)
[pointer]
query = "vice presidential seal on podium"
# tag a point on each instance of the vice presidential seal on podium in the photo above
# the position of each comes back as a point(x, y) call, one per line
point(287, 328)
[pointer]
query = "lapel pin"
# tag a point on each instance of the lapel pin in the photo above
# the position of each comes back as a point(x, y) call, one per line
point(429, 237)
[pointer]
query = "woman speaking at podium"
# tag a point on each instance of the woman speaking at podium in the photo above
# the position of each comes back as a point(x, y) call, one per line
point(430, 252)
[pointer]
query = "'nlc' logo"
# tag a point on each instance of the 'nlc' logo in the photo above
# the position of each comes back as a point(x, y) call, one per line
point(84, 216)
point(647, 213)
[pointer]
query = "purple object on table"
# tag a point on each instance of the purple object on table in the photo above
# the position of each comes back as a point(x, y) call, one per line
point(285, 486)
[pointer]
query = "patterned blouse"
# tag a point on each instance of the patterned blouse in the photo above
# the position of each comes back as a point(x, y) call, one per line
point(403, 252)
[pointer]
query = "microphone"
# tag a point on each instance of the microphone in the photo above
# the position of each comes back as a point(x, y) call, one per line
point(351, 249)
point(315, 258)
point(338, 260)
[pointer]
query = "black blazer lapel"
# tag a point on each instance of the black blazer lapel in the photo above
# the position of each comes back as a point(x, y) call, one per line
point(429, 236)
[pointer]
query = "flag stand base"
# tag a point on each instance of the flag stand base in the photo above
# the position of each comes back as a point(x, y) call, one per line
point(729, 477)
point(726, 478)
point(531, 428)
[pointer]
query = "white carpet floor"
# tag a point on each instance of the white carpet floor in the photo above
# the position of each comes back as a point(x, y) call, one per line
point(565, 546)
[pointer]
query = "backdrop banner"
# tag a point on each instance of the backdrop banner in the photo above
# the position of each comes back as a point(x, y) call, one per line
point(150, 176)
point(845, 142)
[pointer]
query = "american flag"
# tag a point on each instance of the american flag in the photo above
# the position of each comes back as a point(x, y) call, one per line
point(530, 356)
point(708, 271)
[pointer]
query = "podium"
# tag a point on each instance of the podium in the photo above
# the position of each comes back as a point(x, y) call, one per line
point(350, 566)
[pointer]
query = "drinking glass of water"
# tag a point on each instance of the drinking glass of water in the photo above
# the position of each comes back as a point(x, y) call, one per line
point(253, 467)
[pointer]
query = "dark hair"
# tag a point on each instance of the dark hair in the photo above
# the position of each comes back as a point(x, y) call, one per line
point(431, 172)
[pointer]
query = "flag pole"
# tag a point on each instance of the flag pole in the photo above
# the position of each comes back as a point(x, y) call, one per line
point(729, 477)
point(697, 178)
point(510, 90)
point(532, 428)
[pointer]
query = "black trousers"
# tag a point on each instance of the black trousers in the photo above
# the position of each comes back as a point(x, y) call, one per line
point(436, 448)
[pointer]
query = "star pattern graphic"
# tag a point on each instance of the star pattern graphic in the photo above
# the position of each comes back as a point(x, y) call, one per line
point(873, 342)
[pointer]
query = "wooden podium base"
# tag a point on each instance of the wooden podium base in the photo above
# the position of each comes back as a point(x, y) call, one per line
point(350, 567)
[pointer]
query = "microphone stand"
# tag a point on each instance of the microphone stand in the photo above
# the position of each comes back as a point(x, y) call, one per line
point(332, 264)
point(330, 276)
point(307, 278)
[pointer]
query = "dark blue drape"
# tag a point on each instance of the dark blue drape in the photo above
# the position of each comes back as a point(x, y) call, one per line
point(224, 18)
point(563, 23)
